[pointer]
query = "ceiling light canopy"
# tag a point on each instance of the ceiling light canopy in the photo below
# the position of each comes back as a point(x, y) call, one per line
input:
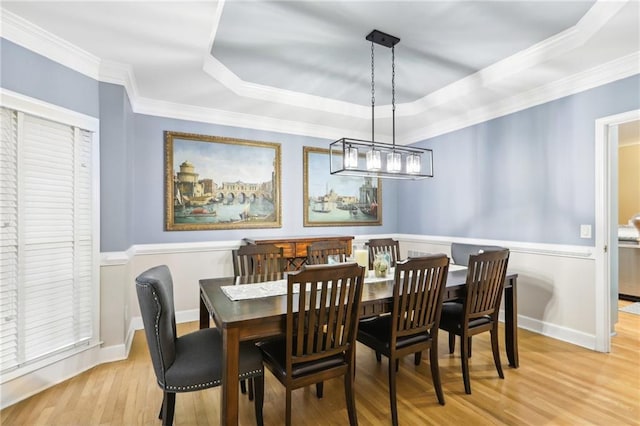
point(356, 157)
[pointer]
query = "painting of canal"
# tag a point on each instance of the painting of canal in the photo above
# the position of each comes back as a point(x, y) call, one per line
point(220, 183)
point(331, 200)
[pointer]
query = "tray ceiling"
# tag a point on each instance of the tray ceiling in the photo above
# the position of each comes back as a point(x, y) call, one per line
point(304, 66)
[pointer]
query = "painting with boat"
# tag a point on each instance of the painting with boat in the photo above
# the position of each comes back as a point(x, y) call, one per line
point(211, 184)
point(331, 200)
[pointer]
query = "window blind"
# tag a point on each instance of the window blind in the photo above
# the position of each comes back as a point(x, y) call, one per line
point(46, 256)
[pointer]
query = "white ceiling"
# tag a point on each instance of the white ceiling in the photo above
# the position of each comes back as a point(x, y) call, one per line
point(304, 66)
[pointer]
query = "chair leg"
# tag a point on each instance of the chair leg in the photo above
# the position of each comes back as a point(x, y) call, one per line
point(435, 373)
point(320, 389)
point(464, 357)
point(164, 396)
point(350, 397)
point(287, 414)
point(243, 386)
point(168, 408)
point(251, 384)
point(397, 364)
point(417, 357)
point(452, 342)
point(496, 351)
point(469, 347)
point(258, 383)
point(392, 391)
point(378, 356)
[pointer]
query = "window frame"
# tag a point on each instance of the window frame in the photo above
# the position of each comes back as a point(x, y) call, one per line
point(27, 105)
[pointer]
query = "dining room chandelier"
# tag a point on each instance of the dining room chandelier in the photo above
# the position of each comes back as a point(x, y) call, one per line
point(357, 157)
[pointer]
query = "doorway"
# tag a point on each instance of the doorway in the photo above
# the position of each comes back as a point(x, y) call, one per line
point(606, 225)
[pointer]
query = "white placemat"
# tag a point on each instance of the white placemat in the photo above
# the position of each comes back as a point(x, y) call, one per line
point(255, 291)
point(272, 288)
point(259, 290)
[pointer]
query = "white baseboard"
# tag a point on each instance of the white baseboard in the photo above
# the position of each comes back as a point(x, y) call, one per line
point(560, 333)
point(26, 385)
point(113, 353)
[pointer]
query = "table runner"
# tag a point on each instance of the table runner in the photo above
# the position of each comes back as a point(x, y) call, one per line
point(279, 287)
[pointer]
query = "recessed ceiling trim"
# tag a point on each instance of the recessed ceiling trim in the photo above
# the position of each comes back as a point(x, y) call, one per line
point(34, 38)
point(589, 79)
point(496, 73)
point(597, 16)
point(228, 78)
point(224, 75)
point(216, 24)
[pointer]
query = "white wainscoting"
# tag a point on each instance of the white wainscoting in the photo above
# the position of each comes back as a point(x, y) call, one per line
point(556, 294)
point(556, 284)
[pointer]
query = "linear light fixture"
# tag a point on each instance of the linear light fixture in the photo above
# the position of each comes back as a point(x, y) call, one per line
point(356, 157)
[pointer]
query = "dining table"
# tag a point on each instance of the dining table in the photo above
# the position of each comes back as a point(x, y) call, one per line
point(262, 314)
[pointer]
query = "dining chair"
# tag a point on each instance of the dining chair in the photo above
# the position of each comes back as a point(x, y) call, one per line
point(478, 312)
point(190, 362)
point(460, 252)
point(256, 259)
point(381, 245)
point(321, 327)
point(413, 324)
point(318, 252)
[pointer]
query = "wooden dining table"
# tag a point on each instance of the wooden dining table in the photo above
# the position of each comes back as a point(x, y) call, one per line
point(263, 317)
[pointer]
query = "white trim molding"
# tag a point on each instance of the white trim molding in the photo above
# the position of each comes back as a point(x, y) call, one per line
point(486, 83)
point(603, 220)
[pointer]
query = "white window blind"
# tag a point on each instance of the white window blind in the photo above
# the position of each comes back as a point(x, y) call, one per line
point(46, 252)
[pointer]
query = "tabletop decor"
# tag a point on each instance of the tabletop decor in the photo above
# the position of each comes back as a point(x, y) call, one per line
point(334, 200)
point(214, 182)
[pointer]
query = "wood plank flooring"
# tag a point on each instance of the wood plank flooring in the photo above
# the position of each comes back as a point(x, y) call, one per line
point(557, 384)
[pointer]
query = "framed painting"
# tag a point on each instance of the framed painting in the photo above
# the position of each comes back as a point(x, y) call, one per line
point(331, 200)
point(214, 182)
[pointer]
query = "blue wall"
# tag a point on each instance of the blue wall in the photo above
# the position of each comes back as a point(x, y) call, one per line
point(30, 74)
point(116, 163)
point(527, 176)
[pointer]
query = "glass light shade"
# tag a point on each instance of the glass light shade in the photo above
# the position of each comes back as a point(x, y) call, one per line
point(394, 162)
point(373, 159)
point(413, 164)
point(351, 158)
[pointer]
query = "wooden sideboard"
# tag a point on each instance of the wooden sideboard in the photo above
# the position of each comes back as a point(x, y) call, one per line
point(295, 248)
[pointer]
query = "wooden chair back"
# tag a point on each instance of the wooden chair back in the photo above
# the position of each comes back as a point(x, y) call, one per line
point(485, 284)
point(381, 245)
point(319, 251)
point(417, 296)
point(258, 259)
point(322, 319)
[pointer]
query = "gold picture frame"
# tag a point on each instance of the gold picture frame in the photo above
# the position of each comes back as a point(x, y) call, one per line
point(332, 200)
point(215, 183)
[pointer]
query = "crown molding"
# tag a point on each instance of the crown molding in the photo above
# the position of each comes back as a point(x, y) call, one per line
point(121, 74)
point(32, 37)
point(236, 119)
point(609, 72)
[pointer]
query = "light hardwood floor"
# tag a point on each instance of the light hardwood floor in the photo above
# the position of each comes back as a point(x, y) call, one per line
point(557, 384)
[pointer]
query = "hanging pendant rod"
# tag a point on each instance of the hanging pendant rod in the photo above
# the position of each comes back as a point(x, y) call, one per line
point(354, 157)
